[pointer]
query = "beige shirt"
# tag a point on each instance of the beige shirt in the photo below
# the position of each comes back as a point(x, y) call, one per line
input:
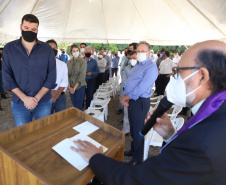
point(77, 72)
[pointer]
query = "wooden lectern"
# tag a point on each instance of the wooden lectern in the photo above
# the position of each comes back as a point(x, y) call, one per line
point(27, 158)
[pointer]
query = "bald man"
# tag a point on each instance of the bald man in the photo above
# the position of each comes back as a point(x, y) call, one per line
point(196, 153)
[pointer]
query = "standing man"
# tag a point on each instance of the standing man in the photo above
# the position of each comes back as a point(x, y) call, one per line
point(114, 66)
point(82, 49)
point(101, 62)
point(58, 94)
point(165, 69)
point(91, 72)
point(29, 71)
point(63, 57)
point(108, 64)
point(125, 76)
point(152, 56)
point(136, 97)
point(176, 58)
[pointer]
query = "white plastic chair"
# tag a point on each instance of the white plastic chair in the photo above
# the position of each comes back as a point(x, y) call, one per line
point(103, 104)
point(178, 123)
point(154, 139)
point(155, 102)
point(176, 110)
point(95, 113)
point(102, 95)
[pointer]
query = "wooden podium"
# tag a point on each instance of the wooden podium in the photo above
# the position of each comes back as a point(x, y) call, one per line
point(27, 158)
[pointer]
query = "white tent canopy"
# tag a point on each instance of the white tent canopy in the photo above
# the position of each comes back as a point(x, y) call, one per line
point(160, 22)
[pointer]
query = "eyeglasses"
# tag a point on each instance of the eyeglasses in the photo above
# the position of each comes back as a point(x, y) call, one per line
point(141, 51)
point(175, 70)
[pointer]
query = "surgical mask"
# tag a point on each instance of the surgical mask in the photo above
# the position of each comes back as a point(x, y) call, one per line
point(161, 55)
point(29, 36)
point(176, 89)
point(55, 52)
point(87, 55)
point(75, 54)
point(100, 56)
point(82, 50)
point(105, 53)
point(141, 57)
point(133, 62)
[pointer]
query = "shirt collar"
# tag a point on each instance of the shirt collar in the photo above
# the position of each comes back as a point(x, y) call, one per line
point(145, 61)
point(19, 41)
point(195, 108)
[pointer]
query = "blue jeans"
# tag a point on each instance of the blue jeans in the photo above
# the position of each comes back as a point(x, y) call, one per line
point(22, 115)
point(60, 104)
point(78, 97)
point(1, 83)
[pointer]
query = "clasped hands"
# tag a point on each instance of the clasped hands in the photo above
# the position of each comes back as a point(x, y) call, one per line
point(30, 102)
point(163, 127)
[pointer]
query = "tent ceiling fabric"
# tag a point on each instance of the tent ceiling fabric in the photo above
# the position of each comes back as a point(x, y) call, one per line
point(160, 22)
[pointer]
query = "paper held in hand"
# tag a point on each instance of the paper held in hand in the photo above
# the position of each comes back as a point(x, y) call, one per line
point(75, 159)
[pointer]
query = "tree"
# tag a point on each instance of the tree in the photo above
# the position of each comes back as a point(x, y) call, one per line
point(113, 48)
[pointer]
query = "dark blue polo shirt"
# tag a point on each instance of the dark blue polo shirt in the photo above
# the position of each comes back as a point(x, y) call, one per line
point(30, 72)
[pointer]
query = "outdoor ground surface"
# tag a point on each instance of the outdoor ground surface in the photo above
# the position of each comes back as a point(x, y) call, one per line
point(7, 121)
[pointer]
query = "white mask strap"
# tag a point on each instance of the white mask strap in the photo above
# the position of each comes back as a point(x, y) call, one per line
point(191, 75)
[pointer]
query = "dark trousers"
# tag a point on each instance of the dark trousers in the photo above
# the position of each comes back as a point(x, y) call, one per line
point(114, 71)
point(137, 112)
point(157, 85)
point(89, 91)
point(163, 81)
point(107, 74)
point(100, 79)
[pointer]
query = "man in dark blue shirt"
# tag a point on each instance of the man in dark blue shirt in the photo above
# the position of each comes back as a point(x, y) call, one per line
point(91, 73)
point(29, 71)
point(63, 57)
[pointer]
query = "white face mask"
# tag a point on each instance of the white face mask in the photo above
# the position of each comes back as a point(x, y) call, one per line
point(141, 57)
point(176, 90)
point(82, 50)
point(133, 62)
point(105, 53)
point(100, 56)
point(75, 54)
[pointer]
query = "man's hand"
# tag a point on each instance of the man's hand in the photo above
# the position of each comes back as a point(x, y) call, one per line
point(86, 149)
point(89, 73)
point(55, 95)
point(163, 125)
point(125, 100)
point(30, 102)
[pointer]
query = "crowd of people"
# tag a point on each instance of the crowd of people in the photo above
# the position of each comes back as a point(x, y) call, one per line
point(38, 77)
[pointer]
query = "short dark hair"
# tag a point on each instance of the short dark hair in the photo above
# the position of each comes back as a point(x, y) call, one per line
point(215, 62)
point(83, 44)
point(30, 18)
point(132, 53)
point(134, 44)
point(167, 53)
point(1, 48)
point(51, 41)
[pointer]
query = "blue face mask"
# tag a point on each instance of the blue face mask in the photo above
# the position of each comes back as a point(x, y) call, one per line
point(161, 55)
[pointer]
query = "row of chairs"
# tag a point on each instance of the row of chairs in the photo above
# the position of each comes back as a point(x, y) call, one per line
point(101, 98)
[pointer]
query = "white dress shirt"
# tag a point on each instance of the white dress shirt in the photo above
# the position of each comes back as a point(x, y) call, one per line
point(176, 60)
point(62, 75)
point(101, 64)
point(166, 66)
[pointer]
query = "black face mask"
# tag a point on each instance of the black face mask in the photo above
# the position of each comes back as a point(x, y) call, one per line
point(29, 36)
point(63, 52)
point(87, 55)
point(55, 52)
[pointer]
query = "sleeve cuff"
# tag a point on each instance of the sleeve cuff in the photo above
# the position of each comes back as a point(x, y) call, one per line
point(49, 85)
point(167, 140)
point(133, 96)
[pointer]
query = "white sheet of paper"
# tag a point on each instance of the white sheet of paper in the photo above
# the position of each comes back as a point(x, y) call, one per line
point(75, 159)
point(86, 128)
